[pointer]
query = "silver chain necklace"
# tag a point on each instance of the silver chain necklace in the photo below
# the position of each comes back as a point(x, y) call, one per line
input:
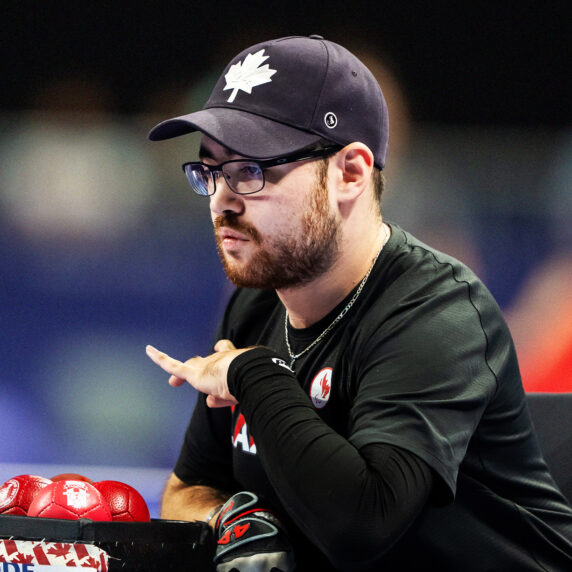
point(293, 356)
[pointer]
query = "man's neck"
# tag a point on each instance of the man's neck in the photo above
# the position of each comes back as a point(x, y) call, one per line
point(309, 303)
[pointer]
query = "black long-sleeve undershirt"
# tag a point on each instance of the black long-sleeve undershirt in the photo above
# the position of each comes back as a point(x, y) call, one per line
point(352, 504)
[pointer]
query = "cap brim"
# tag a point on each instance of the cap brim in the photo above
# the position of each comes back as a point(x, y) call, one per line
point(242, 132)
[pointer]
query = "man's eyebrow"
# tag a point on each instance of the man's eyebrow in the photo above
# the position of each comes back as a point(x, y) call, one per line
point(205, 153)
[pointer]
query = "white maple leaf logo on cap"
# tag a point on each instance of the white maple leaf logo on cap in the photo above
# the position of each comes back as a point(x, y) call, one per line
point(248, 74)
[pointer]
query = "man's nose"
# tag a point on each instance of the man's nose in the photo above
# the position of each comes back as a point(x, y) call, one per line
point(224, 199)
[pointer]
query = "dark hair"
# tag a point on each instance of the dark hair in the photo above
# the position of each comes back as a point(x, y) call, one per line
point(378, 180)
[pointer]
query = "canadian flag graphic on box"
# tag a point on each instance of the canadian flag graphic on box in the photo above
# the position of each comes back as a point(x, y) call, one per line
point(32, 556)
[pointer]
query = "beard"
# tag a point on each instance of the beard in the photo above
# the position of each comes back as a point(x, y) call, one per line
point(290, 260)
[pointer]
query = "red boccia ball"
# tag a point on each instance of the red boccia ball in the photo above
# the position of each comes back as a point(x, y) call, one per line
point(71, 477)
point(70, 500)
point(17, 493)
point(125, 502)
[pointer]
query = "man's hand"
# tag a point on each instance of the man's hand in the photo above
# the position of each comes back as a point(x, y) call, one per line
point(250, 538)
point(207, 375)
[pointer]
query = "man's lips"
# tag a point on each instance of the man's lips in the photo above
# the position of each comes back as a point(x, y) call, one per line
point(230, 234)
point(231, 239)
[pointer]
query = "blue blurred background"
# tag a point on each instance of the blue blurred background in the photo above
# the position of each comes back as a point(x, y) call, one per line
point(103, 249)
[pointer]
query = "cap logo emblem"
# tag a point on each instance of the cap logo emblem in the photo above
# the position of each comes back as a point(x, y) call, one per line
point(330, 120)
point(248, 74)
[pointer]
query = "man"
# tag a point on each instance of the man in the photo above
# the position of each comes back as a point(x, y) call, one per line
point(363, 409)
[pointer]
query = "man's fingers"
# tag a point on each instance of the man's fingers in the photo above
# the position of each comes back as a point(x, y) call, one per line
point(213, 401)
point(207, 375)
point(181, 372)
point(171, 365)
point(175, 381)
point(224, 345)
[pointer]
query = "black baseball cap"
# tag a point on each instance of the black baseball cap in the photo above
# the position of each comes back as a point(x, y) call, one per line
point(280, 96)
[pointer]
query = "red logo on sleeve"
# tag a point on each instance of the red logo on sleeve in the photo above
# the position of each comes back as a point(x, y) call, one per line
point(241, 437)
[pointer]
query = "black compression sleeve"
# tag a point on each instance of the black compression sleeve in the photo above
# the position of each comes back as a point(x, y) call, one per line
point(352, 504)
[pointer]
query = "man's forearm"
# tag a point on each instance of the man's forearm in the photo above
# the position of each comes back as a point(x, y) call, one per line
point(184, 502)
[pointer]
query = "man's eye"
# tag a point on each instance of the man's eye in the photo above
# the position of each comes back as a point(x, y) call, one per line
point(250, 170)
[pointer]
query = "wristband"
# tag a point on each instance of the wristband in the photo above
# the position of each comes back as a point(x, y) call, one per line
point(212, 513)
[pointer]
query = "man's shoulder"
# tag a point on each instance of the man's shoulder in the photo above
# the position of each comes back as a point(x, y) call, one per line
point(407, 243)
point(413, 259)
point(421, 281)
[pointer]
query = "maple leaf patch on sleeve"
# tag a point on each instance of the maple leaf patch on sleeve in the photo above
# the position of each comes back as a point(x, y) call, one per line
point(248, 74)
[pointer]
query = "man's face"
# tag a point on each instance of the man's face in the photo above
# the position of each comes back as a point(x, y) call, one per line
point(284, 236)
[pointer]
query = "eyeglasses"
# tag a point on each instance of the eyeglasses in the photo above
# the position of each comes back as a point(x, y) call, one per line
point(243, 176)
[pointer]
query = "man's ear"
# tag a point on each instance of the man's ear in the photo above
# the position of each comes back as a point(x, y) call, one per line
point(355, 165)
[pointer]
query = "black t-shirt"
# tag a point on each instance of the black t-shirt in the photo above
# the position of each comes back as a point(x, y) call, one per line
point(423, 362)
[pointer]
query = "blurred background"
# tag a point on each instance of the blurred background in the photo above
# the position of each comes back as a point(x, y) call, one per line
point(103, 249)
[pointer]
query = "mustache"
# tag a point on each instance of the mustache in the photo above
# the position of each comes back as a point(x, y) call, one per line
point(231, 221)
